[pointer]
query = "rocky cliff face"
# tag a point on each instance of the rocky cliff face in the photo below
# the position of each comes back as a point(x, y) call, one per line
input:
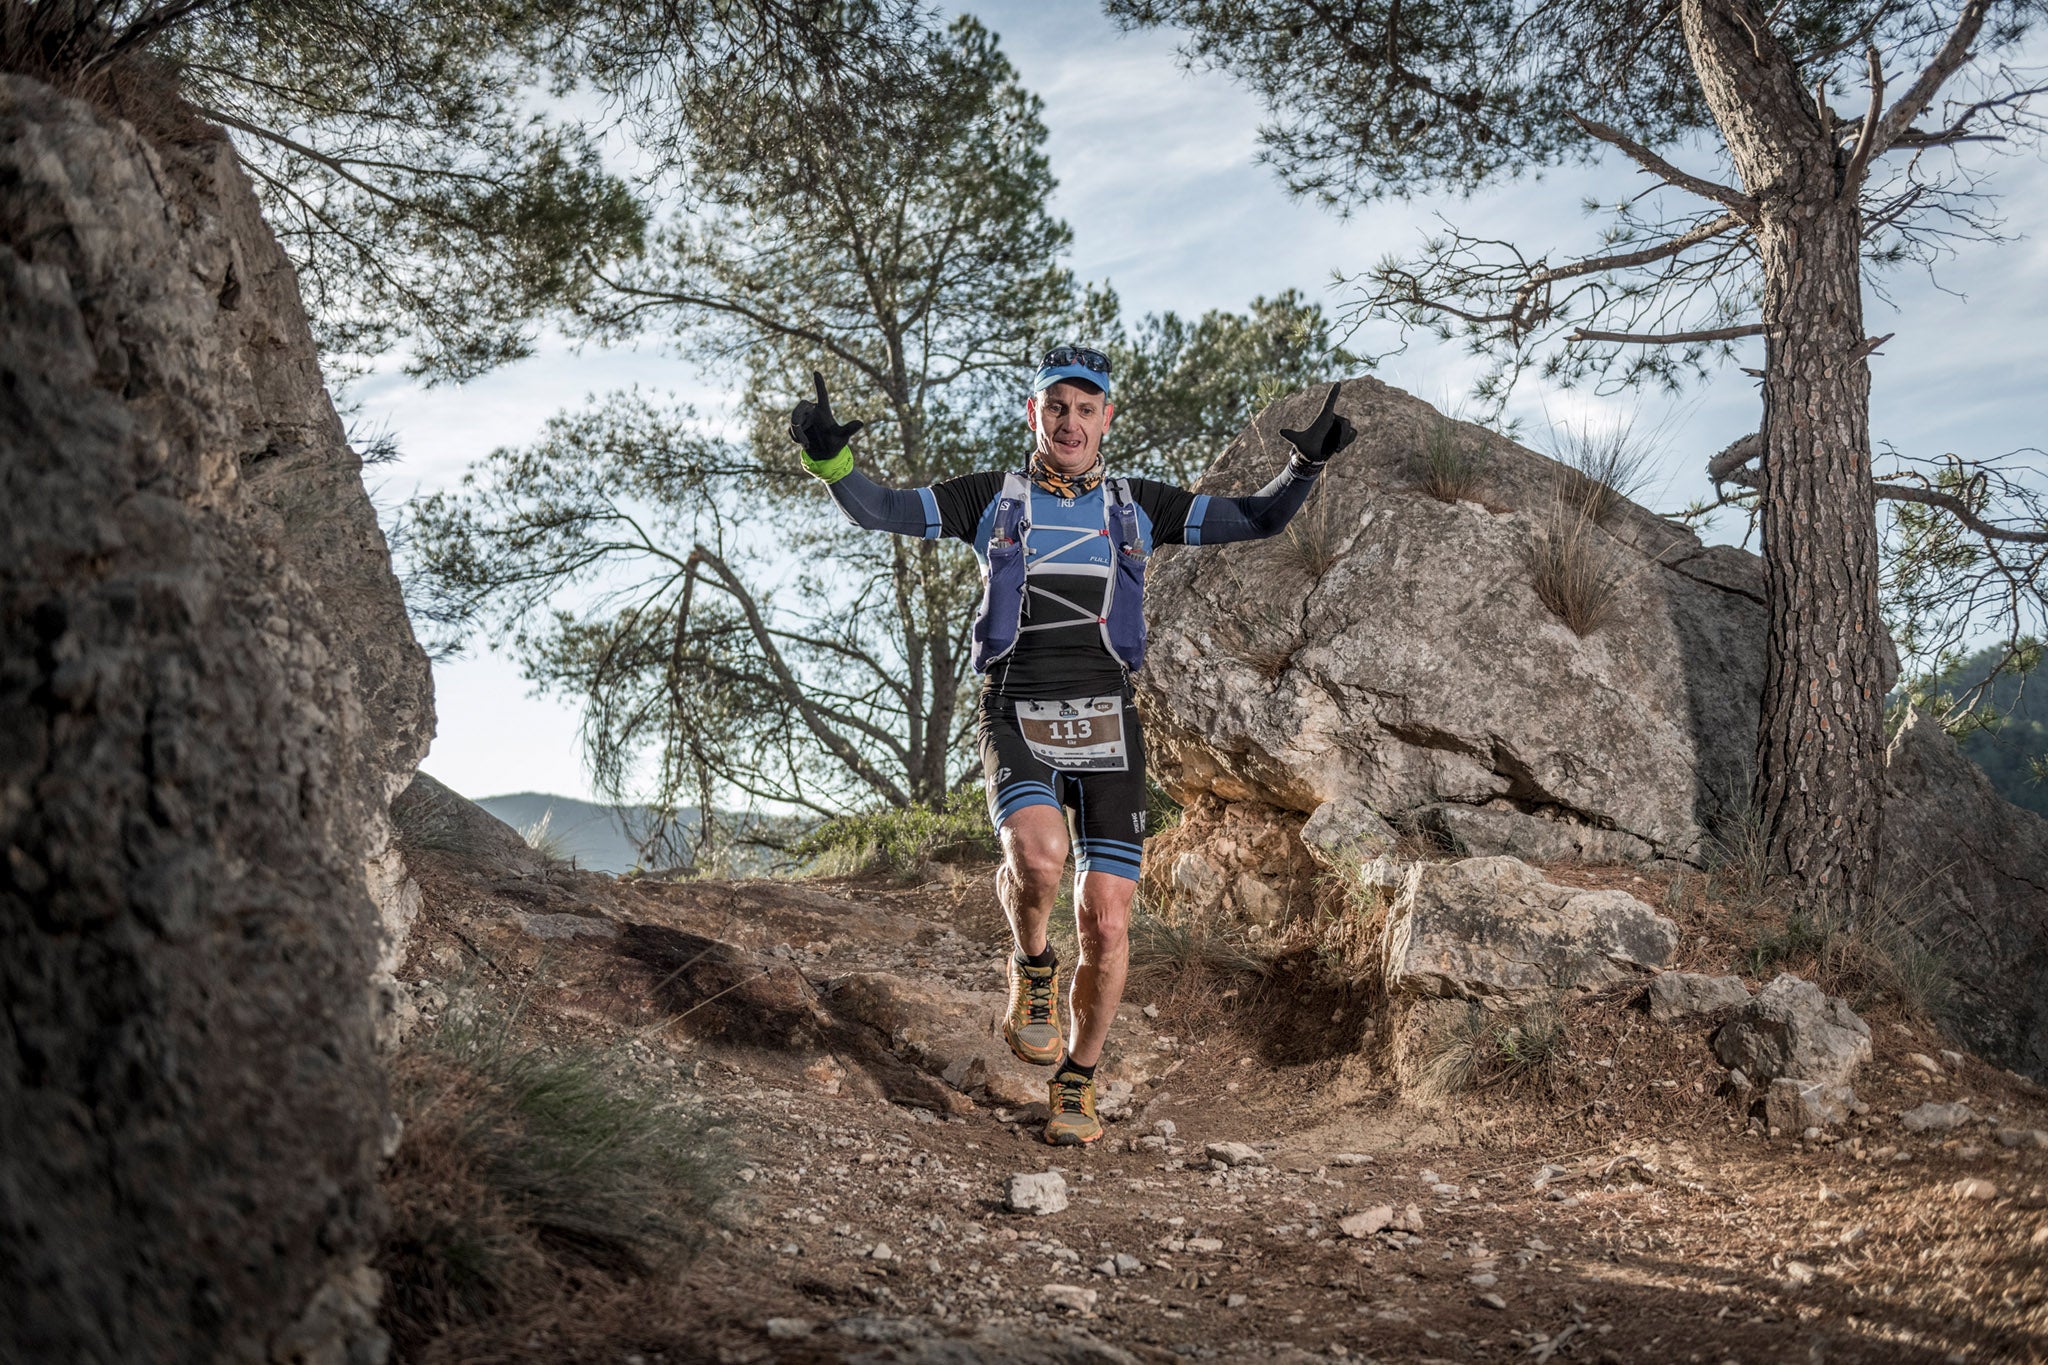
point(208, 693)
point(1388, 663)
point(1391, 649)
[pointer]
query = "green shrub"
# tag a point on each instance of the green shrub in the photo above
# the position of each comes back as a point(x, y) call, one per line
point(901, 840)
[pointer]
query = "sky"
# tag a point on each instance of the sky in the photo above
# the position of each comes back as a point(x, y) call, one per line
point(1157, 178)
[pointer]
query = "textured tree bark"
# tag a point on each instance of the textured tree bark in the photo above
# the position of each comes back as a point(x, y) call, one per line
point(1820, 738)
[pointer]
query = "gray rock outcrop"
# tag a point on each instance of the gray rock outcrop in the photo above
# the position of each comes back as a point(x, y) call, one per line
point(1494, 931)
point(210, 694)
point(1966, 881)
point(1391, 650)
point(1792, 1029)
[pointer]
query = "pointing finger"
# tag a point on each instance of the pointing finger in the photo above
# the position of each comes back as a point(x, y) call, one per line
point(1330, 403)
point(820, 378)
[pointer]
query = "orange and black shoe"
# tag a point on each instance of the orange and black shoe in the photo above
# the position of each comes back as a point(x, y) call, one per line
point(1070, 1102)
point(1032, 1025)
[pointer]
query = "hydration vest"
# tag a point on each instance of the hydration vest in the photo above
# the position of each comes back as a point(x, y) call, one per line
point(1006, 567)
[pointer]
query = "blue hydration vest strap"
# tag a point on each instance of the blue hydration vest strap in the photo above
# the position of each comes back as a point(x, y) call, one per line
point(1006, 569)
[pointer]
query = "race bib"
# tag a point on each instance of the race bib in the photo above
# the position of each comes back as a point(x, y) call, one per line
point(1085, 735)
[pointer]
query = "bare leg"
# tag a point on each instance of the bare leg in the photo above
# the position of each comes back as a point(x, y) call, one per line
point(1102, 907)
point(1034, 858)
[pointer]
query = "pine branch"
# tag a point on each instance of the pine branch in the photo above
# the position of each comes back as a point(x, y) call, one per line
point(1742, 205)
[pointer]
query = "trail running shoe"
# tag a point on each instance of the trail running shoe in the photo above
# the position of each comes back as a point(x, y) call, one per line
point(1032, 1026)
point(1070, 1099)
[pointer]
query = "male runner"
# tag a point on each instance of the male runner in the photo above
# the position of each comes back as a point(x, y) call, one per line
point(1060, 631)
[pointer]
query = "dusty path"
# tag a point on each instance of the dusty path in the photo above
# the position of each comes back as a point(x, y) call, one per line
point(866, 1218)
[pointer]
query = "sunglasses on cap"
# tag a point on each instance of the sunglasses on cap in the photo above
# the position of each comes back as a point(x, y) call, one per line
point(1076, 355)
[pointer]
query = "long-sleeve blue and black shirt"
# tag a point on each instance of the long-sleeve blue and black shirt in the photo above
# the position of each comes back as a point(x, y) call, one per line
point(1060, 650)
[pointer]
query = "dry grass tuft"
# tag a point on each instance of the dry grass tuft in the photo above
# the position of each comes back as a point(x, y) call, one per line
point(1483, 1049)
point(524, 1181)
point(1312, 536)
point(1450, 464)
point(1615, 463)
point(1575, 571)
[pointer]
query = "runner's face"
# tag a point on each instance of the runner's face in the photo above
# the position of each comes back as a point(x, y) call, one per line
point(1068, 420)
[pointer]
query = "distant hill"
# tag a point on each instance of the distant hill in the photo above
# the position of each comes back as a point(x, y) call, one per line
point(595, 836)
point(2006, 755)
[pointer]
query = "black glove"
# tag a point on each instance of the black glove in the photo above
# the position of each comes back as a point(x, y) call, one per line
point(1325, 436)
point(811, 426)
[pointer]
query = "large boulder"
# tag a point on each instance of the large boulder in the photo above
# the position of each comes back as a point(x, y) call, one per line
point(1390, 651)
point(195, 606)
point(1966, 886)
point(1792, 1029)
point(1494, 931)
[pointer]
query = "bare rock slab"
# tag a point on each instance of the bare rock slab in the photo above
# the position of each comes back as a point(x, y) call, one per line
point(1792, 1029)
point(1681, 997)
point(1495, 931)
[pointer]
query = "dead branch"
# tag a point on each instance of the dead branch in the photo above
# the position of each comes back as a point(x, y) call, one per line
point(1852, 176)
point(1735, 200)
point(1740, 330)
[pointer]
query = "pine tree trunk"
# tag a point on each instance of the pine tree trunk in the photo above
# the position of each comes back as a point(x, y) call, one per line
point(1820, 735)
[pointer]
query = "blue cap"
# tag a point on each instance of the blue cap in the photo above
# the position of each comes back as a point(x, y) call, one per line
point(1049, 375)
point(1072, 362)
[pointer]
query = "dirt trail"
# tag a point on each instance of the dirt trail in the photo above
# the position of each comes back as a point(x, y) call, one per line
point(866, 1222)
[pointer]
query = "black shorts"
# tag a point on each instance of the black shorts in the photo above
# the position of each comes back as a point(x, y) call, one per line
point(1105, 804)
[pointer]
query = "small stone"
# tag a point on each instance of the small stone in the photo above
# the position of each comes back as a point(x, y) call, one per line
point(1483, 1280)
point(1411, 1220)
point(1127, 1264)
point(1936, 1118)
point(2023, 1137)
point(1106, 1268)
point(1151, 1011)
point(1205, 1244)
point(1953, 1058)
point(1971, 1187)
point(1166, 1128)
point(1924, 1062)
point(1739, 1081)
point(1429, 1177)
point(1072, 1297)
point(1235, 1301)
point(882, 1252)
point(1493, 1301)
point(1547, 1173)
point(1036, 1192)
point(1798, 1273)
point(1351, 1159)
point(789, 1329)
point(1234, 1154)
point(1366, 1222)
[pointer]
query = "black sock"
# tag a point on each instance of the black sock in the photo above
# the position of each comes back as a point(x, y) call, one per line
point(1086, 1073)
point(1039, 959)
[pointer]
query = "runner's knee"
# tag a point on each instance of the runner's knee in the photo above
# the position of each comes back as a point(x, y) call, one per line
point(1036, 857)
point(1104, 931)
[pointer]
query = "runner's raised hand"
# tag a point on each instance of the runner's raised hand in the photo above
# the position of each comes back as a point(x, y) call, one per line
point(1325, 436)
point(811, 425)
